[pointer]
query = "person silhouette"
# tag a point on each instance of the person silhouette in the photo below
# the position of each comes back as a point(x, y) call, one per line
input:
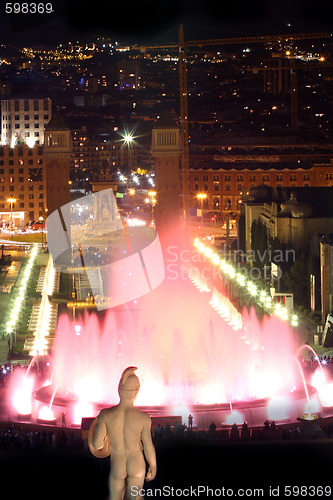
point(124, 431)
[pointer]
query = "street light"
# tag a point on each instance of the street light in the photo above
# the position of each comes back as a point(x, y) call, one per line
point(202, 197)
point(11, 200)
point(41, 218)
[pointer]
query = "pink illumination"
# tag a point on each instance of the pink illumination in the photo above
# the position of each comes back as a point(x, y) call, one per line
point(186, 352)
point(325, 389)
point(83, 409)
point(278, 408)
point(46, 413)
point(22, 388)
point(234, 417)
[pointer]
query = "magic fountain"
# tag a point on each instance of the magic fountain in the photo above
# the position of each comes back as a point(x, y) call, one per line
point(195, 354)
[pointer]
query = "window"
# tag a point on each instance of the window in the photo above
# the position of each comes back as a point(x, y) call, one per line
point(227, 178)
point(17, 117)
point(26, 117)
point(36, 117)
point(227, 187)
point(239, 178)
point(196, 187)
point(36, 105)
point(205, 177)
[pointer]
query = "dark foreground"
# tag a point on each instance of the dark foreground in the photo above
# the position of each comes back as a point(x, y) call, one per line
point(229, 469)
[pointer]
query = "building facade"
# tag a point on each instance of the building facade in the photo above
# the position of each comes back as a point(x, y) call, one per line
point(226, 172)
point(34, 181)
point(23, 181)
point(24, 120)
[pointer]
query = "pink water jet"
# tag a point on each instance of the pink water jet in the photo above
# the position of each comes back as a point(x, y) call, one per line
point(186, 353)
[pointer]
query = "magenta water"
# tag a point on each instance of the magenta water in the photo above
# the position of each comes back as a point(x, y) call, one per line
point(185, 351)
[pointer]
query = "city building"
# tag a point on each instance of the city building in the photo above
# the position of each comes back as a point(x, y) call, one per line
point(227, 171)
point(22, 185)
point(24, 120)
point(326, 268)
point(129, 72)
point(102, 154)
point(34, 181)
point(300, 217)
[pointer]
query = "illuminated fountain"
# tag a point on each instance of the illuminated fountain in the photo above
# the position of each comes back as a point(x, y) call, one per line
point(190, 359)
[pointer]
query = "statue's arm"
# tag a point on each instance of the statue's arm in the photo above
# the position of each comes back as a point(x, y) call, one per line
point(149, 449)
point(100, 433)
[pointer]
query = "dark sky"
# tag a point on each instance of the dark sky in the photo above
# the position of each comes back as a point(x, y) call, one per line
point(156, 20)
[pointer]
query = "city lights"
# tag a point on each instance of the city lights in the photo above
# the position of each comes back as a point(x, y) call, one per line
point(264, 297)
point(18, 302)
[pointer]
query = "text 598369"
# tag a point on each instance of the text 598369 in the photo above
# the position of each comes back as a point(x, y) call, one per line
point(29, 8)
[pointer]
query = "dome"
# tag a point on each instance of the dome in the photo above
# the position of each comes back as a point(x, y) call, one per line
point(294, 208)
point(301, 210)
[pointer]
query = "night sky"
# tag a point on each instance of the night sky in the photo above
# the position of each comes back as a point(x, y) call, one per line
point(156, 21)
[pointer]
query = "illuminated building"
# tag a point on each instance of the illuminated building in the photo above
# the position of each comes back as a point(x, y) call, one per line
point(228, 170)
point(129, 74)
point(22, 178)
point(24, 120)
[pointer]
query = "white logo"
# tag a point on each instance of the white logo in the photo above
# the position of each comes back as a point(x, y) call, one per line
point(117, 263)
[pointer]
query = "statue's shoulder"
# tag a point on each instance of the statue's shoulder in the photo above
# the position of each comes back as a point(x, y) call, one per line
point(143, 416)
point(107, 411)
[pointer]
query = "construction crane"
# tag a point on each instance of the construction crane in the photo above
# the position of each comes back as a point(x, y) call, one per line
point(181, 47)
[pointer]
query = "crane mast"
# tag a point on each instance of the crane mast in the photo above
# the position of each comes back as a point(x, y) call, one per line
point(183, 122)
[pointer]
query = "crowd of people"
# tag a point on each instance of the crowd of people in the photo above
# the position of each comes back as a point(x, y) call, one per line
point(22, 439)
point(269, 431)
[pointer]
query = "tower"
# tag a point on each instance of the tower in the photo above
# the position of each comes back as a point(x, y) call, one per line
point(57, 154)
point(166, 150)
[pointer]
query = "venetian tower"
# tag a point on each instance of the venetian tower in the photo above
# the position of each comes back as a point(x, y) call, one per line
point(57, 154)
point(166, 150)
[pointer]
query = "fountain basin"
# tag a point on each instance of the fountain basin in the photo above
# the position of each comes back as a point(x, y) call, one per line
point(254, 412)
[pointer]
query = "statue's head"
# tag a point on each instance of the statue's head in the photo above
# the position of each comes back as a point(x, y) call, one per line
point(129, 384)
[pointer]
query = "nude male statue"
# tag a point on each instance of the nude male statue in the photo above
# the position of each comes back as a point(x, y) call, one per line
point(125, 432)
